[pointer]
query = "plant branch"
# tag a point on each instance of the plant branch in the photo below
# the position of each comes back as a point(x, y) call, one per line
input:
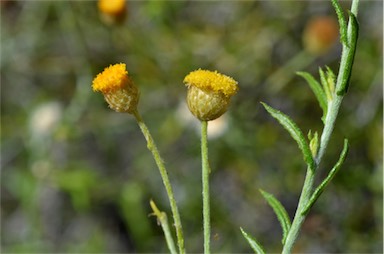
point(162, 218)
point(164, 175)
point(333, 110)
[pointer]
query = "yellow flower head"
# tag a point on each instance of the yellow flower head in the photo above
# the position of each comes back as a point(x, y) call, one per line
point(213, 81)
point(112, 7)
point(112, 78)
point(209, 93)
point(118, 89)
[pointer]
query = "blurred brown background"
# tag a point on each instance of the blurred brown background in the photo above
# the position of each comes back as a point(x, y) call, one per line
point(76, 177)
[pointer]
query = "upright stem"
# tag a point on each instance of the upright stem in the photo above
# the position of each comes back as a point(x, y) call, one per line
point(333, 110)
point(310, 176)
point(299, 218)
point(205, 183)
point(164, 175)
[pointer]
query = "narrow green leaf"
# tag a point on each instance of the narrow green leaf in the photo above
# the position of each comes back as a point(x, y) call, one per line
point(256, 247)
point(350, 55)
point(162, 218)
point(316, 194)
point(280, 212)
point(295, 132)
point(342, 22)
point(317, 90)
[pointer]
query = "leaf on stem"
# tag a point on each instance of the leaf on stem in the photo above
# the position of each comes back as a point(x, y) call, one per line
point(163, 220)
point(295, 132)
point(350, 55)
point(317, 90)
point(256, 247)
point(313, 142)
point(331, 79)
point(325, 84)
point(280, 212)
point(342, 22)
point(316, 194)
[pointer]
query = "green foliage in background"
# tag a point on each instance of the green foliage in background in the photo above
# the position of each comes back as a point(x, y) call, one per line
point(77, 177)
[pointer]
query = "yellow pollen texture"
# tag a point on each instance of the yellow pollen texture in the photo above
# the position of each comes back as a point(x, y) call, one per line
point(213, 81)
point(112, 78)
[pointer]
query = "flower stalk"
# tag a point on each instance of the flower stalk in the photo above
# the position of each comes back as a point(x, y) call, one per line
point(122, 96)
point(205, 184)
point(209, 95)
point(164, 175)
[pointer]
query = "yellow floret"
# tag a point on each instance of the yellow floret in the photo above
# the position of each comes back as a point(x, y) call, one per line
point(112, 78)
point(213, 81)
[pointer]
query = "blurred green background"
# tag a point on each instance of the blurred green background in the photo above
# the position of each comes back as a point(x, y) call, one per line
point(76, 177)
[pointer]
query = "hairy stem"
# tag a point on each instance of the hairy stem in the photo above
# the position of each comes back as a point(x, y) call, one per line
point(164, 175)
point(299, 217)
point(333, 110)
point(205, 183)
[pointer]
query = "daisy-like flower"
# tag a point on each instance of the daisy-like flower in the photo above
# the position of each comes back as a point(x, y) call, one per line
point(209, 93)
point(118, 89)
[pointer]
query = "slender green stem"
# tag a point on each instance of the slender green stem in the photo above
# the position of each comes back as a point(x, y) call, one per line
point(355, 7)
point(164, 175)
point(162, 218)
point(333, 110)
point(299, 217)
point(205, 183)
point(307, 190)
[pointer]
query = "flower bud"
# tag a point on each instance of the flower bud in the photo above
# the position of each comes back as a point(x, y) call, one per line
point(209, 93)
point(313, 143)
point(118, 89)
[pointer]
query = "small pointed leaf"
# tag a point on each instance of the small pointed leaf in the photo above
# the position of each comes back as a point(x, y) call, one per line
point(163, 221)
point(256, 247)
point(317, 90)
point(316, 194)
point(331, 79)
point(295, 132)
point(313, 143)
point(342, 22)
point(280, 212)
point(324, 83)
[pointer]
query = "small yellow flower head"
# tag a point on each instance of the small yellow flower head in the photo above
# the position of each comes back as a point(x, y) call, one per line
point(118, 89)
point(113, 11)
point(209, 93)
